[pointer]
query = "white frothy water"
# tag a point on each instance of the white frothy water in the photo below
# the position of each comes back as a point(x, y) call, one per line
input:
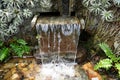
point(67, 29)
point(57, 71)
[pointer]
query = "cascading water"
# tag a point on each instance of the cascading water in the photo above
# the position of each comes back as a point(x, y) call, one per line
point(52, 39)
point(58, 41)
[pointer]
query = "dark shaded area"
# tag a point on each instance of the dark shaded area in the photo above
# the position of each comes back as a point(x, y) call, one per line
point(84, 35)
point(65, 7)
point(83, 51)
point(73, 13)
point(43, 14)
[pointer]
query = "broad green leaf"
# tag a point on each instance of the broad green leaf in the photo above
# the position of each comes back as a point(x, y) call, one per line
point(108, 51)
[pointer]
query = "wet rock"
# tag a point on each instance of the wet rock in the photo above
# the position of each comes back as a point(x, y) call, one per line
point(13, 70)
point(9, 65)
point(81, 73)
point(15, 76)
point(69, 57)
point(22, 65)
point(32, 78)
point(1, 75)
point(31, 66)
point(37, 68)
point(6, 70)
point(93, 75)
point(28, 72)
point(81, 55)
point(17, 71)
point(25, 69)
point(25, 72)
point(29, 78)
point(7, 75)
point(31, 72)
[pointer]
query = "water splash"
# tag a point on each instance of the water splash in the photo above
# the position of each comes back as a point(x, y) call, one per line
point(57, 71)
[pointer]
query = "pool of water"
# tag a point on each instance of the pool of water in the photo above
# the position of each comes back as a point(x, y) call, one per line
point(28, 69)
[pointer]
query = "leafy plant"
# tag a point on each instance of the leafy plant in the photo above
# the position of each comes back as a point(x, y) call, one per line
point(19, 47)
point(1, 43)
point(4, 53)
point(102, 8)
point(95, 8)
point(107, 15)
point(13, 13)
point(45, 3)
point(105, 63)
point(111, 61)
point(16, 47)
point(117, 2)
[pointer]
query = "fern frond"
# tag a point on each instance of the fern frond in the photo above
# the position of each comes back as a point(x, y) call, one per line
point(105, 63)
point(117, 65)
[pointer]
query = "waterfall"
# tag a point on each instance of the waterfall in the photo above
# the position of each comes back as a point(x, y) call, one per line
point(54, 36)
point(58, 43)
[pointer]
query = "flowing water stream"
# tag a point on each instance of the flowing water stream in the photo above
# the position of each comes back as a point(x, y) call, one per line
point(57, 39)
point(52, 37)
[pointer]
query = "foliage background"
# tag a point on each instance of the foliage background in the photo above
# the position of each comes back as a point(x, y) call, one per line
point(15, 12)
point(101, 19)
